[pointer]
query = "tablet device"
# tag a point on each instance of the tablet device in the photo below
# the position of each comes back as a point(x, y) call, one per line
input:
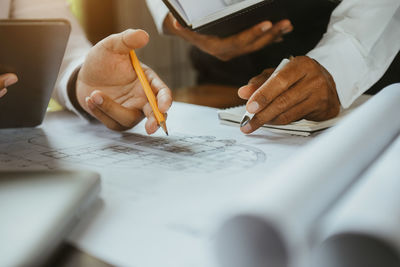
point(33, 50)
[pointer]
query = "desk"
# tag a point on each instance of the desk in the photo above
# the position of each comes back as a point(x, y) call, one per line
point(216, 96)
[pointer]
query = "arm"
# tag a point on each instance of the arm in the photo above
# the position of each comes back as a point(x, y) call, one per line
point(361, 41)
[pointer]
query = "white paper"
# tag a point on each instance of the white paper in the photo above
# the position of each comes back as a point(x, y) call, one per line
point(162, 196)
point(284, 209)
point(371, 209)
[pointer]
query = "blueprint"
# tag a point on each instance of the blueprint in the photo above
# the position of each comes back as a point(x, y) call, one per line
point(161, 195)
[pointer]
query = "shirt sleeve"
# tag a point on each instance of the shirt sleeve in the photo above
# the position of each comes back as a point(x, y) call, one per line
point(361, 42)
point(77, 47)
point(159, 12)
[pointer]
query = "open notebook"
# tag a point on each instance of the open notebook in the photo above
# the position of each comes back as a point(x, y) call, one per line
point(336, 203)
point(233, 116)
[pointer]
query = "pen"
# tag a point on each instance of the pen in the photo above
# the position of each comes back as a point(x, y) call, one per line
point(248, 116)
point(148, 91)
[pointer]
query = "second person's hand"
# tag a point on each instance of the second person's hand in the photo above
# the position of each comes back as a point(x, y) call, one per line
point(303, 89)
point(225, 49)
point(108, 87)
point(7, 80)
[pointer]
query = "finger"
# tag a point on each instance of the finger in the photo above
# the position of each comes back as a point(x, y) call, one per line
point(3, 92)
point(280, 105)
point(298, 112)
point(7, 80)
point(123, 42)
point(103, 118)
point(151, 125)
point(163, 93)
point(124, 116)
point(177, 25)
point(246, 37)
point(268, 37)
point(246, 91)
point(278, 83)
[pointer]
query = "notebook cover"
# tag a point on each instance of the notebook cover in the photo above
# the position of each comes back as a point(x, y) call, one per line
point(239, 21)
point(234, 23)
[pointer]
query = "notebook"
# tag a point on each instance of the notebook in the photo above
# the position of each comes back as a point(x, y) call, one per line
point(233, 116)
point(224, 17)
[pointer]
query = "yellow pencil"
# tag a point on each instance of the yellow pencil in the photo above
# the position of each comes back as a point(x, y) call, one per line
point(148, 91)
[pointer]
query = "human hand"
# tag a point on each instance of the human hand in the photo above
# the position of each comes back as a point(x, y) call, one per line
point(5, 81)
point(108, 88)
point(225, 49)
point(302, 89)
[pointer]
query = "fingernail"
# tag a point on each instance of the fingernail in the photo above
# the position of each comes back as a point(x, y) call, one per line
point(286, 30)
point(3, 92)
point(10, 80)
point(266, 26)
point(247, 128)
point(97, 99)
point(253, 107)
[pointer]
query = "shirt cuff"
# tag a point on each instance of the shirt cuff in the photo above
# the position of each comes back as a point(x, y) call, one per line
point(159, 12)
point(72, 100)
point(343, 60)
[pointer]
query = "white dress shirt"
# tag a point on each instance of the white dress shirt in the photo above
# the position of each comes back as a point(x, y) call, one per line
point(77, 46)
point(362, 39)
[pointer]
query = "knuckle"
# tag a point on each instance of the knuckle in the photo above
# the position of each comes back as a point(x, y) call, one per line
point(280, 80)
point(283, 119)
point(282, 102)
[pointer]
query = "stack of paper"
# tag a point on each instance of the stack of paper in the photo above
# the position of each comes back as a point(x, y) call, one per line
point(334, 204)
point(233, 116)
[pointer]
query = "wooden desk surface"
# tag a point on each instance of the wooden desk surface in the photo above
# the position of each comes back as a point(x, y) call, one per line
point(216, 96)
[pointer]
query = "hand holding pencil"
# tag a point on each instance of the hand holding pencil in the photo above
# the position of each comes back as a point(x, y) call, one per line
point(109, 89)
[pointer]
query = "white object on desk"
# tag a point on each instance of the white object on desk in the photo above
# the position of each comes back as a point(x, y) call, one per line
point(162, 195)
point(38, 211)
point(233, 117)
point(276, 221)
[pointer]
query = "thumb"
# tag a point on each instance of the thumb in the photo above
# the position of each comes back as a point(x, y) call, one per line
point(125, 41)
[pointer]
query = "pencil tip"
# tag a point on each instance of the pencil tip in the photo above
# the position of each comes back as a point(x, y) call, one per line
point(245, 120)
point(164, 127)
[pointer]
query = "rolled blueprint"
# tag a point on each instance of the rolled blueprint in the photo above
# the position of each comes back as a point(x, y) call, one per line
point(275, 221)
point(363, 229)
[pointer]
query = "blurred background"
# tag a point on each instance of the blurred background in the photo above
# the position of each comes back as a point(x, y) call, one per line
point(168, 56)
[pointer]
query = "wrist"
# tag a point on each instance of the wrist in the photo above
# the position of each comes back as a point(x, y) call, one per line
point(72, 88)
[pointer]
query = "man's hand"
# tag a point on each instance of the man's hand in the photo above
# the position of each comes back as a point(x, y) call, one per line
point(108, 87)
point(303, 89)
point(245, 42)
point(5, 81)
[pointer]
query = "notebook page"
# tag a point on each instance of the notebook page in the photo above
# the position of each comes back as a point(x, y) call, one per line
point(236, 114)
point(196, 10)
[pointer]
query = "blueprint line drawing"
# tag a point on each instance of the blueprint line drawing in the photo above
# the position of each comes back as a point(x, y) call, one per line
point(31, 148)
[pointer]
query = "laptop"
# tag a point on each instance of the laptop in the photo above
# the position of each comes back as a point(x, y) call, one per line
point(38, 209)
point(33, 50)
